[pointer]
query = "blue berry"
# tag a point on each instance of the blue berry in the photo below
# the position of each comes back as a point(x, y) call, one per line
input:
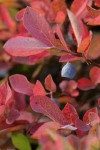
point(68, 71)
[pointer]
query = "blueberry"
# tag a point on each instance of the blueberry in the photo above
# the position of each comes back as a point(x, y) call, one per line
point(68, 71)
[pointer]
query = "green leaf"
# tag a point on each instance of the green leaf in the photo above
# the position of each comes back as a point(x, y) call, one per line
point(57, 52)
point(13, 12)
point(21, 141)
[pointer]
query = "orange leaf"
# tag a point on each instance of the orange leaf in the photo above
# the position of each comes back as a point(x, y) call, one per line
point(49, 84)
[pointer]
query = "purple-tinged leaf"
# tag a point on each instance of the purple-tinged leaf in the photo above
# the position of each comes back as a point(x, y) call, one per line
point(20, 100)
point(81, 125)
point(59, 33)
point(46, 106)
point(20, 14)
point(21, 85)
point(24, 46)
point(12, 116)
point(35, 127)
point(22, 60)
point(37, 25)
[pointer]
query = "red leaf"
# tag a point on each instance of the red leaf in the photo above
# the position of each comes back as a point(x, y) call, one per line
point(35, 127)
point(85, 84)
point(5, 93)
point(86, 115)
point(21, 85)
point(37, 57)
point(95, 21)
point(94, 50)
point(5, 35)
point(81, 33)
point(20, 100)
point(74, 141)
point(11, 128)
point(60, 17)
point(24, 46)
point(23, 60)
point(81, 125)
point(93, 12)
point(75, 93)
point(85, 44)
point(53, 141)
point(59, 33)
point(63, 85)
point(2, 110)
point(39, 89)
point(81, 133)
point(49, 84)
point(39, 131)
point(20, 14)
point(76, 26)
point(30, 60)
point(66, 99)
point(46, 106)
point(26, 116)
point(72, 84)
point(12, 116)
point(69, 87)
point(70, 113)
point(97, 3)
point(78, 7)
point(95, 75)
point(69, 58)
point(37, 25)
point(94, 118)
